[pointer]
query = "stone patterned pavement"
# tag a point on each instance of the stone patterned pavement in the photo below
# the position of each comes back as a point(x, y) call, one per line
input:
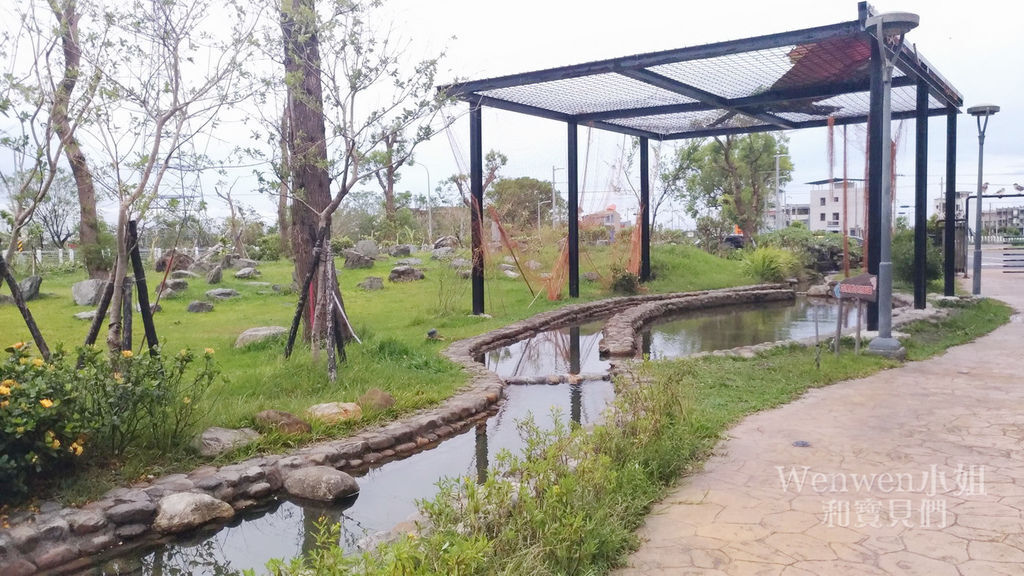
point(912, 471)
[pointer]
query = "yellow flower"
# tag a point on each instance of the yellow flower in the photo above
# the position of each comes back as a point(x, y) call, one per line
point(56, 444)
point(46, 402)
point(118, 378)
point(37, 362)
point(75, 448)
point(186, 400)
point(19, 430)
point(9, 383)
point(23, 361)
point(126, 353)
point(4, 403)
point(209, 351)
point(18, 345)
point(5, 391)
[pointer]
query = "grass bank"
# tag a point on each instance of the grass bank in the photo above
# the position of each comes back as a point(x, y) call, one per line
point(571, 503)
point(395, 355)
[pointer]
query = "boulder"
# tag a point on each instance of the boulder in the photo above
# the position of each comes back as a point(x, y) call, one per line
point(167, 294)
point(506, 267)
point(819, 291)
point(88, 292)
point(461, 263)
point(186, 510)
point(87, 315)
point(281, 421)
point(534, 265)
point(183, 274)
point(222, 293)
point(214, 276)
point(377, 399)
point(355, 260)
point(197, 306)
point(320, 483)
point(30, 287)
point(443, 253)
point(464, 272)
point(247, 272)
point(409, 262)
point(400, 250)
point(181, 261)
point(405, 274)
point(214, 441)
point(591, 276)
point(446, 242)
point(371, 283)
point(510, 273)
point(258, 334)
point(243, 263)
point(367, 247)
point(331, 412)
point(176, 284)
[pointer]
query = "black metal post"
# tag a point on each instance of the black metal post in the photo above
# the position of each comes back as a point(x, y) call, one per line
point(921, 199)
point(573, 216)
point(949, 231)
point(645, 211)
point(476, 187)
point(101, 314)
point(140, 288)
point(126, 316)
point(875, 175)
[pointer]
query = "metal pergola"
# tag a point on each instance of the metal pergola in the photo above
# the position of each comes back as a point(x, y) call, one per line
point(786, 81)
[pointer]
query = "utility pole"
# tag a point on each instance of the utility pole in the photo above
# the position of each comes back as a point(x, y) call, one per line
point(554, 221)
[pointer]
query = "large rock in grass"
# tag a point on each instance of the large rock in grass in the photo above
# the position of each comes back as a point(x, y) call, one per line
point(30, 287)
point(367, 247)
point(176, 284)
point(243, 263)
point(446, 242)
point(183, 275)
point(443, 253)
point(401, 250)
point(181, 261)
point(259, 334)
point(199, 306)
point(186, 510)
point(88, 292)
point(215, 276)
point(320, 483)
point(377, 399)
point(332, 412)
point(281, 421)
point(222, 293)
point(405, 274)
point(247, 272)
point(355, 260)
point(215, 441)
point(371, 283)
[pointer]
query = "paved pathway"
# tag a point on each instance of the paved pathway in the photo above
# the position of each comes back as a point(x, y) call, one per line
point(917, 470)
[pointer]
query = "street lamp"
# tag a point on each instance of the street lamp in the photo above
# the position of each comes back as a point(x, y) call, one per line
point(539, 204)
point(780, 207)
point(430, 214)
point(981, 113)
point(889, 31)
point(553, 170)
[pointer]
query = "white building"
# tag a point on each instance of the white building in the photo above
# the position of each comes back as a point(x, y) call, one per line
point(826, 206)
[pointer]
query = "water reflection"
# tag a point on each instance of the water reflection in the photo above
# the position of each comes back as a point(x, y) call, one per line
point(571, 350)
point(724, 328)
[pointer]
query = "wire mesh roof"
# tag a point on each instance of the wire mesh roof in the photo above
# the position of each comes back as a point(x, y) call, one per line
point(796, 79)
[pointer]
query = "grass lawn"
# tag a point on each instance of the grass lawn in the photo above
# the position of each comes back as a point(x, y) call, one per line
point(395, 355)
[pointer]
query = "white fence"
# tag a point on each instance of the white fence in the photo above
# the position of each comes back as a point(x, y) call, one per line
point(60, 257)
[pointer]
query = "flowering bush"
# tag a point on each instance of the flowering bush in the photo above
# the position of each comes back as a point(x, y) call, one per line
point(53, 413)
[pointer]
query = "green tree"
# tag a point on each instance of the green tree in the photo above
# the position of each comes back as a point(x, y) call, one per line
point(737, 176)
point(518, 200)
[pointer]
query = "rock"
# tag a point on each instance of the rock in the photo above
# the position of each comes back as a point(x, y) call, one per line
point(243, 263)
point(176, 284)
point(214, 440)
point(377, 399)
point(53, 556)
point(88, 292)
point(819, 291)
point(371, 283)
point(222, 293)
point(464, 273)
point(185, 510)
point(400, 250)
point(182, 261)
point(30, 287)
point(215, 275)
point(544, 275)
point(87, 315)
point(167, 294)
point(5, 299)
point(409, 262)
point(405, 274)
point(86, 522)
point(130, 531)
point(591, 276)
point(247, 272)
point(331, 412)
point(355, 260)
point(183, 275)
point(197, 306)
point(320, 483)
point(131, 512)
point(446, 242)
point(17, 567)
point(443, 253)
point(510, 273)
point(282, 422)
point(534, 265)
point(506, 267)
point(367, 247)
point(258, 334)
point(461, 263)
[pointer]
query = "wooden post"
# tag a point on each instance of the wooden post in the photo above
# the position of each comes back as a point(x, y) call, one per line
point(304, 291)
point(101, 313)
point(19, 301)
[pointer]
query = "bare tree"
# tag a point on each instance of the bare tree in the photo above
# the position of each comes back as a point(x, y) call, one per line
point(58, 212)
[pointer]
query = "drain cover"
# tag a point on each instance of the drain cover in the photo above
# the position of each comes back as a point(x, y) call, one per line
point(802, 444)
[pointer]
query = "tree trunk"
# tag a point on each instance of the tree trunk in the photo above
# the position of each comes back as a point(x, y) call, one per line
point(120, 269)
point(88, 230)
point(306, 137)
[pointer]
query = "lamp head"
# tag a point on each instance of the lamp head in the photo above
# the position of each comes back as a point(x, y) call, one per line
point(983, 110)
point(893, 23)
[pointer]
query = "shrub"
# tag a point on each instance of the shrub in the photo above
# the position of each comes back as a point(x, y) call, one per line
point(340, 244)
point(820, 252)
point(903, 258)
point(268, 248)
point(768, 264)
point(624, 282)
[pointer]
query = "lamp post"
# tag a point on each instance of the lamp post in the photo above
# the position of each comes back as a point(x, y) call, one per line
point(780, 207)
point(981, 114)
point(430, 214)
point(888, 31)
point(553, 170)
point(539, 204)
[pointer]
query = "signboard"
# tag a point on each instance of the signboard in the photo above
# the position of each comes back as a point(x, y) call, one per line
point(862, 287)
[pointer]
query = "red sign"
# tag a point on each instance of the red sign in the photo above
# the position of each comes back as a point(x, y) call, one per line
point(862, 287)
